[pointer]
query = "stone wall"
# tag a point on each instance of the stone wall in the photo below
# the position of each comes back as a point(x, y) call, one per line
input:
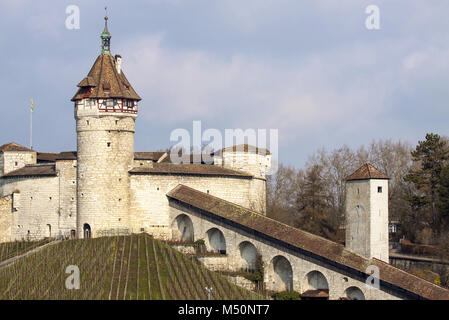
point(38, 212)
point(149, 203)
point(44, 206)
point(66, 170)
point(6, 218)
point(338, 279)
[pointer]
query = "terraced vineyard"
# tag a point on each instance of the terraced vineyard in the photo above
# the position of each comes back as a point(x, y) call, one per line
point(12, 249)
point(114, 268)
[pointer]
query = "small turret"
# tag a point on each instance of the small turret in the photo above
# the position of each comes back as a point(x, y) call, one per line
point(253, 160)
point(244, 157)
point(13, 156)
point(105, 37)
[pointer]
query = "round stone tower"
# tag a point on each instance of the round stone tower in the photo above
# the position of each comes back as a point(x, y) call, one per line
point(105, 113)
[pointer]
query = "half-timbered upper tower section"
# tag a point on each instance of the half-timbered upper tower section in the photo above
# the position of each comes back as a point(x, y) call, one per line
point(106, 89)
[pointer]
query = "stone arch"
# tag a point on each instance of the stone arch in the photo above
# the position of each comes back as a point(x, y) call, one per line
point(248, 255)
point(217, 241)
point(316, 281)
point(183, 229)
point(354, 293)
point(282, 274)
point(87, 232)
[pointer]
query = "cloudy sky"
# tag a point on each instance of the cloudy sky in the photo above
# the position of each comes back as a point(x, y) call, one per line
point(310, 69)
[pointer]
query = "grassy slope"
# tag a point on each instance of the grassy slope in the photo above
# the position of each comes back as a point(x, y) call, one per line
point(125, 267)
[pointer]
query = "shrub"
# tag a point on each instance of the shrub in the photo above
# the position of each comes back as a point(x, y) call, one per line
point(287, 295)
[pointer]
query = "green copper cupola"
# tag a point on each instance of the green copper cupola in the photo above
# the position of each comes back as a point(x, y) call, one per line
point(105, 39)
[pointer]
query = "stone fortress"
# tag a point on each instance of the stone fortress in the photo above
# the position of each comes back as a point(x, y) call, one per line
point(105, 188)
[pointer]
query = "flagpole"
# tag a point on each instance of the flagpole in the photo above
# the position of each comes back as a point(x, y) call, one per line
point(31, 125)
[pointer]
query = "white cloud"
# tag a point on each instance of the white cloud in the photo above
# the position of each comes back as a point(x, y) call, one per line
point(179, 84)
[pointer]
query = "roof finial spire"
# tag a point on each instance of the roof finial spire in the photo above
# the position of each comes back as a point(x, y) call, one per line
point(106, 36)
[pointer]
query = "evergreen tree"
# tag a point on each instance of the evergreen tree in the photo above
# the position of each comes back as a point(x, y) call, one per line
point(313, 204)
point(443, 193)
point(429, 157)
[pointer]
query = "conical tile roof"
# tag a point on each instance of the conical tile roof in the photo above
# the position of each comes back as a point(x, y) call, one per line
point(104, 81)
point(367, 171)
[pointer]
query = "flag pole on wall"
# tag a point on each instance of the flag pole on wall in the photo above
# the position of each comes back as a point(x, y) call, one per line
point(31, 124)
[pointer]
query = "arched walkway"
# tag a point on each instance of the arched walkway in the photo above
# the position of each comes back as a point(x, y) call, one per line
point(282, 274)
point(248, 254)
point(354, 293)
point(217, 240)
point(87, 231)
point(183, 229)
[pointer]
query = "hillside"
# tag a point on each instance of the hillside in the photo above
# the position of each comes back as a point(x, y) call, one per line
point(122, 267)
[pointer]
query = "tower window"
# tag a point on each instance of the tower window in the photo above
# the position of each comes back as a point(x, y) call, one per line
point(108, 144)
point(379, 189)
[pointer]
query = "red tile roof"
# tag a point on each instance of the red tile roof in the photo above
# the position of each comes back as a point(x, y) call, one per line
point(318, 293)
point(32, 170)
point(189, 169)
point(154, 156)
point(43, 157)
point(103, 75)
point(367, 171)
point(14, 147)
point(244, 148)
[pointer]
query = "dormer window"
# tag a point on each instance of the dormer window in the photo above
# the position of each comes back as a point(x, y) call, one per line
point(106, 87)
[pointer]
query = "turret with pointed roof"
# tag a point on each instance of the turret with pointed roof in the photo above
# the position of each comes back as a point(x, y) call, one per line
point(367, 213)
point(105, 113)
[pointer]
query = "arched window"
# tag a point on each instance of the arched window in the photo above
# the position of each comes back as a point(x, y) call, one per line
point(354, 293)
point(283, 273)
point(217, 240)
point(317, 287)
point(87, 231)
point(317, 281)
point(248, 253)
point(183, 229)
